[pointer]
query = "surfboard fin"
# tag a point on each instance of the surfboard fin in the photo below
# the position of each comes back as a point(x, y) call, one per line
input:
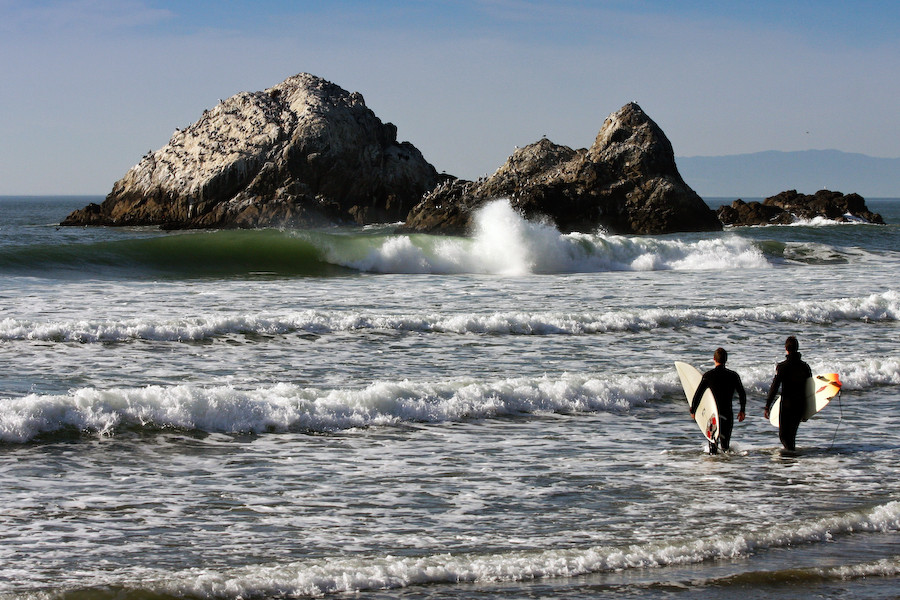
point(830, 380)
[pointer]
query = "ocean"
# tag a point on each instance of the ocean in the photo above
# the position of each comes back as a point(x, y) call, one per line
point(349, 412)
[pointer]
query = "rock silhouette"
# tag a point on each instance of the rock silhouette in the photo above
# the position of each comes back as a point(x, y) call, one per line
point(790, 206)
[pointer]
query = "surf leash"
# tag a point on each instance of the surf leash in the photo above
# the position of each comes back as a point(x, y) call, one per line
point(840, 419)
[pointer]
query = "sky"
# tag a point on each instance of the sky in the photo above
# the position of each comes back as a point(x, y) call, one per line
point(87, 87)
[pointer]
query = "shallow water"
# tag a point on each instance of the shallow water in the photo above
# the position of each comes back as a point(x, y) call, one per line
point(294, 414)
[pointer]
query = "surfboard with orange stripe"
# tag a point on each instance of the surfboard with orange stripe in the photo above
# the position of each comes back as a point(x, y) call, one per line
point(820, 389)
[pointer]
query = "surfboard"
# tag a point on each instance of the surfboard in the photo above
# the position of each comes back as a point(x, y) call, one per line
point(820, 389)
point(707, 415)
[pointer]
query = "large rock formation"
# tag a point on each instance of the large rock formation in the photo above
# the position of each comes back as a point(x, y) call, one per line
point(626, 182)
point(790, 206)
point(301, 153)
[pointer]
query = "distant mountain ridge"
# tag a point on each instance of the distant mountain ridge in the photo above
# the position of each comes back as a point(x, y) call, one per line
point(763, 174)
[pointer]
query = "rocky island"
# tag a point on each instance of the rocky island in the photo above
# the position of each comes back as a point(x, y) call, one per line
point(626, 182)
point(307, 153)
point(790, 206)
point(302, 153)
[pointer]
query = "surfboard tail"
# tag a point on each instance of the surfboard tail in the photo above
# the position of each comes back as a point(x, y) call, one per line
point(828, 385)
point(712, 428)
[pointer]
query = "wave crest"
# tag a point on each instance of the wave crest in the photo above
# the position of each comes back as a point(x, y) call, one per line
point(883, 307)
point(505, 243)
point(287, 407)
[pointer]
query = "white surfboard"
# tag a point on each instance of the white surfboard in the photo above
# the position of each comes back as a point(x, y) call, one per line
point(820, 389)
point(707, 415)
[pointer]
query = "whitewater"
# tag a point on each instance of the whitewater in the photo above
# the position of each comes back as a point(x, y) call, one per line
point(316, 413)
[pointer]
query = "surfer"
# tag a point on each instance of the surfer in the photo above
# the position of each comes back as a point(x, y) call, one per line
point(790, 375)
point(723, 383)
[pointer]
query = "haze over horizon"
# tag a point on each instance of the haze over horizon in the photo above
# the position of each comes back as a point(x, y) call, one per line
point(91, 85)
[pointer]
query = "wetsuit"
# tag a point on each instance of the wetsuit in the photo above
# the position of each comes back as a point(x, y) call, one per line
point(790, 375)
point(723, 383)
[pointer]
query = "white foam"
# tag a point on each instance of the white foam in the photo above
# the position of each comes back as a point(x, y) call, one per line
point(888, 567)
point(819, 221)
point(360, 574)
point(504, 243)
point(868, 374)
point(286, 407)
point(873, 308)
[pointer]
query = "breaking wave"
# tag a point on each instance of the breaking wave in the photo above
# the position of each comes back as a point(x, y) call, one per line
point(503, 243)
point(883, 307)
point(287, 407)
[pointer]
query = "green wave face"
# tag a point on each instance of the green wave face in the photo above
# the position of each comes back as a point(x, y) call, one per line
point(502, 243)
point(188, 255)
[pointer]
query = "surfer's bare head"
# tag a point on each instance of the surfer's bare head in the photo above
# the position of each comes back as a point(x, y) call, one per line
point(720, 356)
point(791, 345)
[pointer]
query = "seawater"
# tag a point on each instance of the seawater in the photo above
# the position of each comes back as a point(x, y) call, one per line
point(292, 414)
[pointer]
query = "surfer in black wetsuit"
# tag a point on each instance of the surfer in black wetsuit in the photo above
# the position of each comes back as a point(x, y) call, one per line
point(790, 375)
point(723, 383)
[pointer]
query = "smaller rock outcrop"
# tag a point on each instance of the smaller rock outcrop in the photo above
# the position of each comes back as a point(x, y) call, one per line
point(791, 206)
point(302, 153)
point(626, 182)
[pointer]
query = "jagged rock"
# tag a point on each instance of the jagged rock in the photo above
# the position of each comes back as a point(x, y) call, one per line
point(787, 207)
point(752, 213)
point(304, 152)
point(626, 182)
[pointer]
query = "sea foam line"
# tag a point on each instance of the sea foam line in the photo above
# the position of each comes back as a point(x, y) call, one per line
point(881, 307)
point(288, 407)
point(359, 574)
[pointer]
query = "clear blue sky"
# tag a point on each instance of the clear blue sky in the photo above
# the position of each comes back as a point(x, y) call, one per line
point(88, 86)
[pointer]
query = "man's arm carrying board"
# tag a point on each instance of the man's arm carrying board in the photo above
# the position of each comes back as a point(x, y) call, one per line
point(820, 389)
point(707, 415)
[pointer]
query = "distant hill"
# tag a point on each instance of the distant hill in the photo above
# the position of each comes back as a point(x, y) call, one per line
point(763, 174)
